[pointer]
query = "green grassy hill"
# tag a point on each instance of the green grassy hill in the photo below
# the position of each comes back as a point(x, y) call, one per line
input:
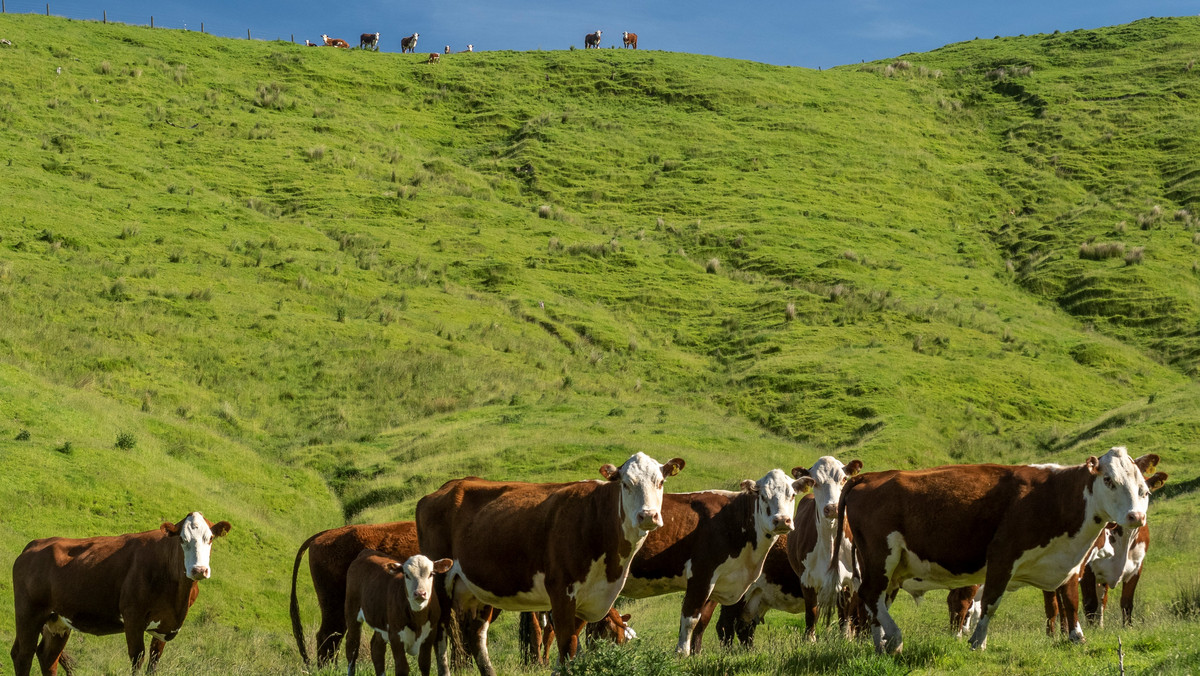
point(293, 287)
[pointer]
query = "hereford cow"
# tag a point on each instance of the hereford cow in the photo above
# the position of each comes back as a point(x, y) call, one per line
point(370, 40)
point(629, 40)
point(330, 554)
point(1003, 525)
point(712, 546)
point(535, 633)
point(434, 57)
point(409, 44)
point(521, 546)
point(136, 584)
point(447, 50)
point(592, 40)
point(398, 604)
point(778, 588)
point(335, 42)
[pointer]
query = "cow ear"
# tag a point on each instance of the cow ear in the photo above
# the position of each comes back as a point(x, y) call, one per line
point(749, 486)
point(626, 617)
point(170, 529)
point(804, 485)
point(1147, 464)
point(1093, 465)
point(221, 529)
point(393, 568)
point(1156, 482)
point(609, 471)
point(798, 472)
point(853, 467)
point(442, 565)
point(672, 467)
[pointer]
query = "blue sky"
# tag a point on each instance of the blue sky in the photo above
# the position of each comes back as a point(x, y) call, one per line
point(799, 33)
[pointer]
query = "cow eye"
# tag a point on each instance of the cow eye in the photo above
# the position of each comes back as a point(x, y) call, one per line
point(1108, 482)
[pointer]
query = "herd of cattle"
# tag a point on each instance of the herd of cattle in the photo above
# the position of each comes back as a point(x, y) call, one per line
point(409, 44)
point(828, 536)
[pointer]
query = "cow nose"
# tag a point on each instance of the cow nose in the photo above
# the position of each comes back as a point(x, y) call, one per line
point(199, 573)
point(783, 523)
point(1135, 519)
point(649, 519)
point(830, 511)
point(420, 593)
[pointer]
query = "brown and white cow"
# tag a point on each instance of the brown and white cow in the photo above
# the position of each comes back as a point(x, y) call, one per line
point(712, 546)
point(817, 535)
point(330, 554)
point(535, 632)
point(335, 42)
point(563, 547)
point(136, 584)
point(592, 40)
point(1002, 525)
point(369, 40)
point(398, 603)
point(777, 588)
point(434, 57)
point(629, 40)
point(409, 44)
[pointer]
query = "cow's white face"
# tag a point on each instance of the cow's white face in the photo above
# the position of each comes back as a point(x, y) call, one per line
point(829, 475)
point(775, 503)
point(641, 480)
point(196, 537)
point(418, 578)
point(1118, 488)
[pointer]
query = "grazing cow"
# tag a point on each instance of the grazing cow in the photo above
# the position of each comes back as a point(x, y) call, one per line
point(398, 604)
point(1002, 525)
point(629, 40)
point(535, 633)
point(409, 44)
point(565, 547)
point(712, 546)
point(369, 40)
point(434, 57)
point(592, 40)
point(335, 42)
point(134, 584)
point(330, 554)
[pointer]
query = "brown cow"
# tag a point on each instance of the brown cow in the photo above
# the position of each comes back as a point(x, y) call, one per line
point(1003, 525)
point(134, 584)
point(521, 546)
point(369, 40)
point(712, 546)
point(592, 40)
point(629, 40)
point(335, 42)
point(778, 587)
point(434, 57)
point(398, 604)
point(330, 554)
point(535, 633)
point(409, 44)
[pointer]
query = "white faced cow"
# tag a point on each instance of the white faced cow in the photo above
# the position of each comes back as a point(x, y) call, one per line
point(592, 40)
point(1001, 525)
point(136, 584)
point(563, 547)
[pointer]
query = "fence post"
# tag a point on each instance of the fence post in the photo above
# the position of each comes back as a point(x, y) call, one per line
point(201, 26)
point(152, 21)
point(106, 16)
point(293, 38)
point(247, 33)
point(47, 9)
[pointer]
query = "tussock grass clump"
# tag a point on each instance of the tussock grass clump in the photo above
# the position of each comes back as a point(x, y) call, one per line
point(315, 153)
point(789, 312)
point(200, 294)
point(1101, 251)
point(1185, 602)
point(713, 266)
point(104, 68)
point(544, 211)
point(272, 97)
point(1182, 215)
point(1134, 256)
point(1196, 238)
point(608, 659)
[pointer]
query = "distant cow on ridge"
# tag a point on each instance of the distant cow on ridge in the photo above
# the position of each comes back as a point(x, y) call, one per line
point(629, 40)
point(335, 42)
point(369, 40)
point(409, 44)
point(592, 40)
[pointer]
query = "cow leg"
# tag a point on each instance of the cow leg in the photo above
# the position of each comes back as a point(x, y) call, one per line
point(25, 646)
point(156, 650)
point(529, 636)
point(352, 639)
point(694, 600)
point(1089, 597)
point(811, 613)
point(379, 653)
point(1127, 590)
point(705, 617)
point(995, 582)
point(1102, 596)
point(566, 626)
point(50, 649)
point(1068, 602)
point(728, 621)
point(1050, 601)
point(476, 637)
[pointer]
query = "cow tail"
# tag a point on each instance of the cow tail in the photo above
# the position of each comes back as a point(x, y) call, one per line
point(294, 609)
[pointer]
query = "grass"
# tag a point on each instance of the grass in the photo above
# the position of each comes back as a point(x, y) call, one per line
point(312, 285)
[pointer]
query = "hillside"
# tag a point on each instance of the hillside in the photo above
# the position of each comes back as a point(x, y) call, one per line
point(293, 287)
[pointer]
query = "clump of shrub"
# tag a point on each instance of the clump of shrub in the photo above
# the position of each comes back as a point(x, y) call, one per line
point(66, 448)
point(608, 659)
point(1101, 251)
point(23, 435)
point(126, 441)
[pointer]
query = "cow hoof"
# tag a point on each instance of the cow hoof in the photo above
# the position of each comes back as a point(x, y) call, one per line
point(979, 645)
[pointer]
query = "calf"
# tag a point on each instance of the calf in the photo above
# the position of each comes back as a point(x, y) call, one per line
point(409, 44)
point(369, 40)
point(398, 604)
point(1003, 525)
point(535, 633)
point(565, 547)
point(330, 554)
point(134, 584)
point(434, 57)
point(592, 40)
point(335, 42)
point(629, 40)
point(712, 546)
